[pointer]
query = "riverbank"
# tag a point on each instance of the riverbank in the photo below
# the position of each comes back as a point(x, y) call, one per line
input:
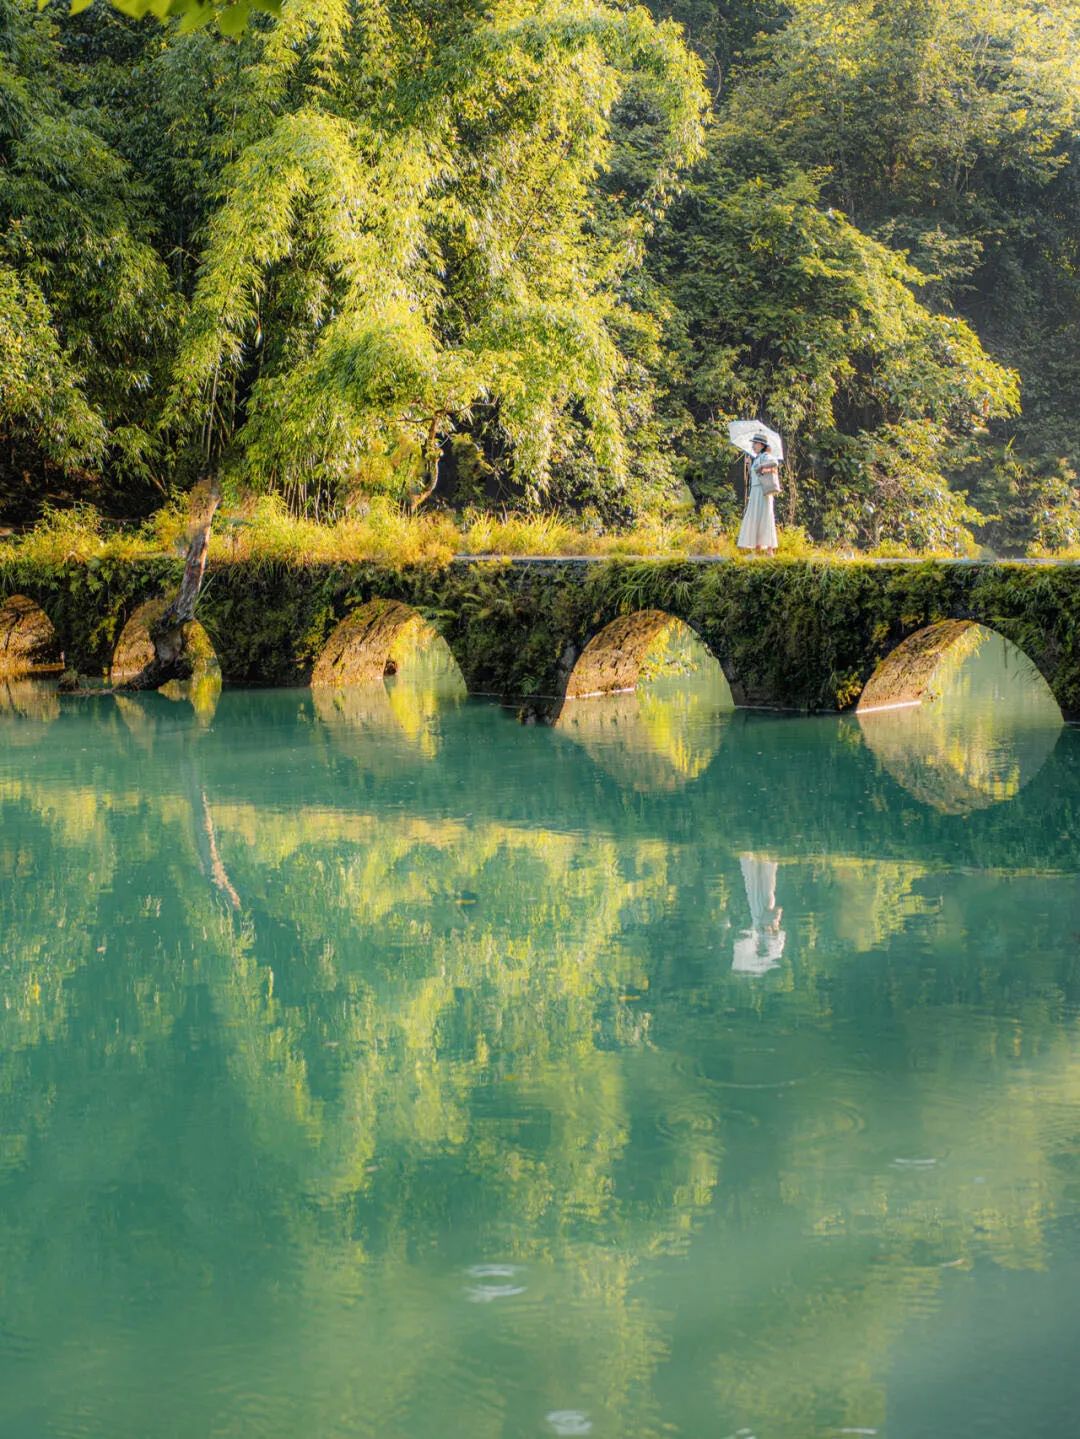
point(263, 531)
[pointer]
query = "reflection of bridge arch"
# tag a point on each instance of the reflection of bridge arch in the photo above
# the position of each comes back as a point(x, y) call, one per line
point(955, 774)
point(379, 728)
point(655, 740)
point(908, 675)
point(376, 640)
point(959, 759)
point(29, 644)
point(615, 658)
point(26, 708)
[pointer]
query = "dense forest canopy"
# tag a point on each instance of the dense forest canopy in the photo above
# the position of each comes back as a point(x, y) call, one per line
point(540, 251)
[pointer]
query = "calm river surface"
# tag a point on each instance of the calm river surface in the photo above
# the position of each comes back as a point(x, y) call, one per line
point(372, 1065)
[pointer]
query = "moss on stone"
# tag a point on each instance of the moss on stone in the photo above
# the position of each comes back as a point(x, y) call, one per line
point(801, 635)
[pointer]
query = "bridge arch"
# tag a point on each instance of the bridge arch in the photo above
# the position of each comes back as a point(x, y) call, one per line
point(377, 640)
point(29, 643)
point(134, 650)
point(910, 673)
point(618, 656)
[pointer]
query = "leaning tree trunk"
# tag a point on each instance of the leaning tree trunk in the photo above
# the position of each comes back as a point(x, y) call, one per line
point(169, 631)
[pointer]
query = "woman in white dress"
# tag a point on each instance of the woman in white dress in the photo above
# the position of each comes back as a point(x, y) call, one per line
point(758, 529)
point(760, 948)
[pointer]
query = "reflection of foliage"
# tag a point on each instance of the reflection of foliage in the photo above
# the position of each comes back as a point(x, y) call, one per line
point(405, 712)
point(435, 1035)
point(22, 700)
point(872, 899)
point(433, 680)
point(334, 1066)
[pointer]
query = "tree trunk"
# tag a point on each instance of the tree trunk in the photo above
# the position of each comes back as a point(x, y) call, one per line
point(415, 501)
point(431, 462)
point(171, 661)
point(207, 845)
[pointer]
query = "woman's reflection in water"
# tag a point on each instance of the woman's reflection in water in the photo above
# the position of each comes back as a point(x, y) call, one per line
point(760, 948)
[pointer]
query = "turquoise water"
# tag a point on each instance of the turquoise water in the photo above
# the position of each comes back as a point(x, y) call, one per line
point(372, 1065)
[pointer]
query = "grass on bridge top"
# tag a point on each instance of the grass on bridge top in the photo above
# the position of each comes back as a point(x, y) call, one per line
point(262, 530)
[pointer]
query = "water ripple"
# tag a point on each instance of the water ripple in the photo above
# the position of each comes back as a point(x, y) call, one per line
point(487, 1293)
point(569, 1421)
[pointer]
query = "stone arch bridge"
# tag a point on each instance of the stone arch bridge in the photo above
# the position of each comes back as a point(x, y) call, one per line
point(791, 635)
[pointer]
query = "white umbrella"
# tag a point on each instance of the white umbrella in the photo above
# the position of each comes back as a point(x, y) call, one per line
point(742, 432)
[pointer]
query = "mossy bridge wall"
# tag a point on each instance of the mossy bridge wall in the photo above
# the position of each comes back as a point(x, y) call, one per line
point(798, 635)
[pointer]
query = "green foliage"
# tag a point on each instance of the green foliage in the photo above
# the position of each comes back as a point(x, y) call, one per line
point(796, 312)
point(230, 17)
point(404, 234)
point(916, 100)
point(1055, 512)
point(887, 487)
point(261, 530)
point(41, 397)
point(1029, 505)
point(85, 300)
point(347, 235)
point(945, 132)
point(790, 312)
point(337, 253)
